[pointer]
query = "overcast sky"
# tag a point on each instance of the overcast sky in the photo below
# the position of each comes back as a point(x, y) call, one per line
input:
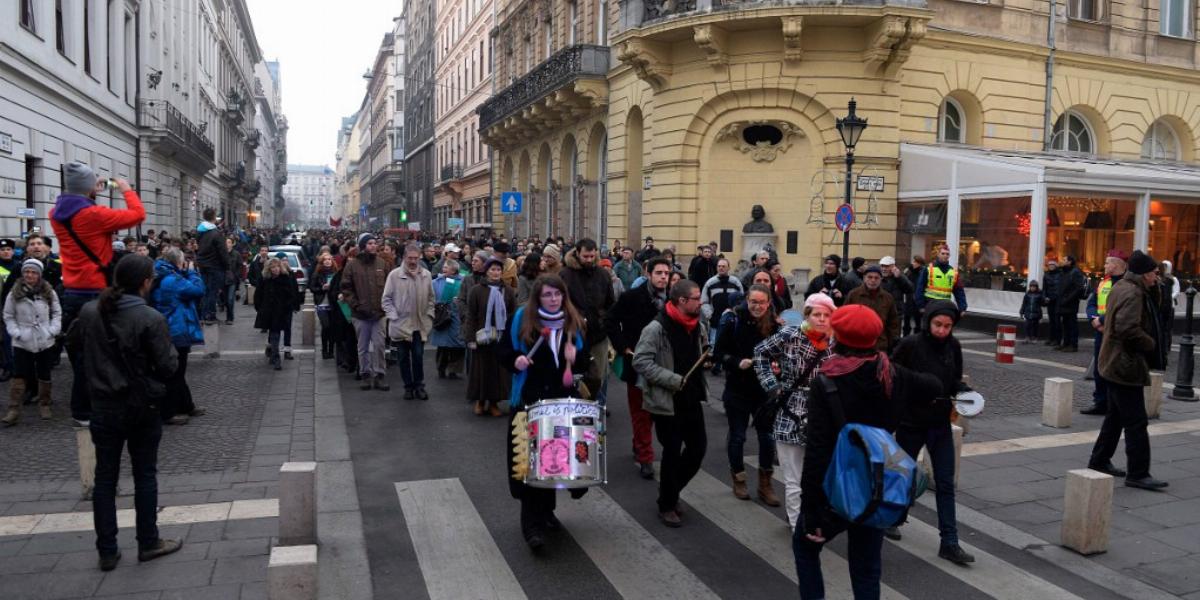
point(323, 47)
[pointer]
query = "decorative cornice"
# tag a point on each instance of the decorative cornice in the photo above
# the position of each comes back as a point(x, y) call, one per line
point(647, 60)
point(713, 41)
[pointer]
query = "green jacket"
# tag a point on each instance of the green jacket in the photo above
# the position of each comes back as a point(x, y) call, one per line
point(1133, 341)
point(655, 365)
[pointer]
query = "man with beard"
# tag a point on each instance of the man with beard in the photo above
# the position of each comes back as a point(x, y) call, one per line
point(836, 285)
point(591, 291)
point(362, 289)
point(668, 349)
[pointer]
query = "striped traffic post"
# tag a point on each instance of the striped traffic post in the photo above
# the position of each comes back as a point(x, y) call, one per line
point(1006, 343)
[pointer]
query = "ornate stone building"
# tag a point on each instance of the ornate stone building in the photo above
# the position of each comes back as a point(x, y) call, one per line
point(420, 167)
point(548, 123)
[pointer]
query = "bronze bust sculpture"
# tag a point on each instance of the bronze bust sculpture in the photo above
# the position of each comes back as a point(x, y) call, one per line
point(758, 223)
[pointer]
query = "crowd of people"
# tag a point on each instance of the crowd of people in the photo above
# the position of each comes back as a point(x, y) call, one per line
point(525, 320)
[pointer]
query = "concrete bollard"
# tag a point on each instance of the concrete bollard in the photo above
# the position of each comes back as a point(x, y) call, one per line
point(292, 573)
point(298, 503)
point(1087, 511)
point(1153, 395)
point(1056, 402)
point(308, 326)
point(249, 294)
point(212, 341)
point(87, 461)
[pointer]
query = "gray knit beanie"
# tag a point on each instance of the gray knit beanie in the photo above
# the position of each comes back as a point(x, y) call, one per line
point(80, 178)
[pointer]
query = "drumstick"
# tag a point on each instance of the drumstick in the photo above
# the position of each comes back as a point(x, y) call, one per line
point(538, 343)
point(698, 363)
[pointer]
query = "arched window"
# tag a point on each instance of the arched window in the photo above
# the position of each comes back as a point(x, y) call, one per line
point(951, 122)
point(1072, 133)
point(1161, 142)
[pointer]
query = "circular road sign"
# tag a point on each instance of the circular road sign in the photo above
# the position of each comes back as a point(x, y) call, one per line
point(844, 217)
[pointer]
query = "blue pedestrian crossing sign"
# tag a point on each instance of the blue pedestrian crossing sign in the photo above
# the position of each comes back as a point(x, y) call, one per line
point(510, 202)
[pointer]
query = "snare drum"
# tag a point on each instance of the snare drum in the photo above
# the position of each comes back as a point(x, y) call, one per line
point(566, 444)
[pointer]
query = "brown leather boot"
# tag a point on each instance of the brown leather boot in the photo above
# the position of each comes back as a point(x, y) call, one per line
point(739, 486)
point(766, 492)
point(16, 394)
point(495, 410)
point(44, 388)
point(479, 408)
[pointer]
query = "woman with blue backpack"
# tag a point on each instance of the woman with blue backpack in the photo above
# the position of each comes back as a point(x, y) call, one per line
point(542, 346)
point(857, 388)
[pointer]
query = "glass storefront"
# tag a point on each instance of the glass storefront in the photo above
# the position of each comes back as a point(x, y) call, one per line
point(1175, 235)
point(922, 227)
point(993, 248)
point(1088, 227)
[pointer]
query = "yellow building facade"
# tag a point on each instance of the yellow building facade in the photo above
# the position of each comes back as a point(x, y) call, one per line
point(709, 108)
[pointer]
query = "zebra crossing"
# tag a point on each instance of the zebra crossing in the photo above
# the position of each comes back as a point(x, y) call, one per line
point(460, 559)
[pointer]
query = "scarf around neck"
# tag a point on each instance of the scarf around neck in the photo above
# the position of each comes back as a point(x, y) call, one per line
point(688, 323)
point(838, 365)
point(553, 322)
point(497, 313)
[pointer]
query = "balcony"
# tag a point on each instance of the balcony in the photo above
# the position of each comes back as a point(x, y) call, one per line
point(174, 136)
point(562, 89)
point(253, 138)
point(451, 172)
point(635, 13)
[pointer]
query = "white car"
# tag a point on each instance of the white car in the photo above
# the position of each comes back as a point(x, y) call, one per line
point(296, 262)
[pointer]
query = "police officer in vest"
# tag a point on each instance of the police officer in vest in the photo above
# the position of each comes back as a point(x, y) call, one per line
point(8, 265)
point(940, 282)
point(1097, 306)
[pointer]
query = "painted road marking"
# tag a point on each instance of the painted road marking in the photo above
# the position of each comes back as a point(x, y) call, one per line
point(1057, 440)
point(167, 515)
point(458, 557)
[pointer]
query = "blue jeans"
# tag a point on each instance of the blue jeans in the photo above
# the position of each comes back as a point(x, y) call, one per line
point(739, 420)
point(230, 292)
point(939, 442)
point(411, 356)
point(214, 280)
point(111, 430)
point(81, 404)
point(865, 545)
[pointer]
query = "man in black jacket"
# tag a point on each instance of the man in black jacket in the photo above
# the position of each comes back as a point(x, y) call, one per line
point(703, 266)
point(124, 379)
point(213, 261)
point(624, 324)
point(833, 283)
point(591, 291)
point(1051, 281)
point(1072, 289)
point(647, 252)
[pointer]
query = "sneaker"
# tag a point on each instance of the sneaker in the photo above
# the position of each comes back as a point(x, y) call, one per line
point(381, 384)
point(81, 422)
point(956, 555)
point(646, 470)
point(1108, 468)
point(670, 518)
point(108, 563)
point(422, 394)
point(892, 533)
point(160, 548)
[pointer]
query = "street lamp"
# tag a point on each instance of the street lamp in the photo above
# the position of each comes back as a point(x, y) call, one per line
point(1183, 379)
point(851, 128)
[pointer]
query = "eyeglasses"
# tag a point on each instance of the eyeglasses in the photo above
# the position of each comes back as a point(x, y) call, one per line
point(691, 299)
point(552, 294)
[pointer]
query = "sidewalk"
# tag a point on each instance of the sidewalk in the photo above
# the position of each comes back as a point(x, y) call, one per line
point(222, 467)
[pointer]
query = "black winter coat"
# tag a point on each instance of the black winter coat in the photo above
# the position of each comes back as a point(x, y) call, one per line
point(591, 292)
point(144, 342)
point(736, 341)
point(1051, 282)
point(275, 299)
point(863, 401)
point(923, 353)
point(1072, 288)
point(842, 282)
point(210, 251)
point(624, 324)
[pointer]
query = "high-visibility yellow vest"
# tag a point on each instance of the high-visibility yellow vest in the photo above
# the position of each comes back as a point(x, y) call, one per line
point(4, 273)
point(1102, 295)
point(939, 285)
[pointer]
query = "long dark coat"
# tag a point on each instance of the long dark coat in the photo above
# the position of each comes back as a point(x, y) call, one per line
point(488, 381)
point(275, 300)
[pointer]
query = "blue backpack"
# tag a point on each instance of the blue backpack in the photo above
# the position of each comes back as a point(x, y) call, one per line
point(871, 480)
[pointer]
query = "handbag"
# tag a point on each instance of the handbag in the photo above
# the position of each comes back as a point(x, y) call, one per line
point(442, 318)
point(487, 336)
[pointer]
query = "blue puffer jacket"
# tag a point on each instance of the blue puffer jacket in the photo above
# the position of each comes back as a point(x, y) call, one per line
point(176, 294)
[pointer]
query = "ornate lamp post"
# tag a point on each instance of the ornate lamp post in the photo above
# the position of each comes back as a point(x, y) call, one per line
point(851, 128)
point(1183, 380)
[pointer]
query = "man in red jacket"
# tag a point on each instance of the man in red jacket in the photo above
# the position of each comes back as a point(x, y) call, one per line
point(84, 231)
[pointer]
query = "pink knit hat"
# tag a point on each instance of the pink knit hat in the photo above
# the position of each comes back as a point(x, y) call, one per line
point(820, 299)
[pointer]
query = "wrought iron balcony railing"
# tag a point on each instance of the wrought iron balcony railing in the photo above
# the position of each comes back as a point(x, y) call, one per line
point(564, 66)
point(653, 10)
point(159, 116)
point(451, 172)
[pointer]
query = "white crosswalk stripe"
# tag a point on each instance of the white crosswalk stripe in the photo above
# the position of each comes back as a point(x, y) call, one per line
point(638, 566)
point(458, 557)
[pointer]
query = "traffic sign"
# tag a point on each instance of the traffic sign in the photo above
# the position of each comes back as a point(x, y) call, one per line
point(844, 217)
point(511, 202)
point(27, 213)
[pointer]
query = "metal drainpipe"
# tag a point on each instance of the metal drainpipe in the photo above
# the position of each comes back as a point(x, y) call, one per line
point(137, 110)
point(510, 224)
point(1047, 131)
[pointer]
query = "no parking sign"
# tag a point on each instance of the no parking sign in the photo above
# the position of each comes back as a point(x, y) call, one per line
point(844, 217)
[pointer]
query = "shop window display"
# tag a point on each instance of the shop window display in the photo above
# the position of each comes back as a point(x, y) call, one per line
point(993, 249)
point(1175, 236)
point(1088, 228)
point(922, 227)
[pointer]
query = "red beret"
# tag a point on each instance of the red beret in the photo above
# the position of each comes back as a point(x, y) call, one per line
point(1117, 253)
point(856, 326)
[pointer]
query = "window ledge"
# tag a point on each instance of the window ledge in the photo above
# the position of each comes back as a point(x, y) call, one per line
point(1178, 38)
point(1092, 22)
point(32, 32)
